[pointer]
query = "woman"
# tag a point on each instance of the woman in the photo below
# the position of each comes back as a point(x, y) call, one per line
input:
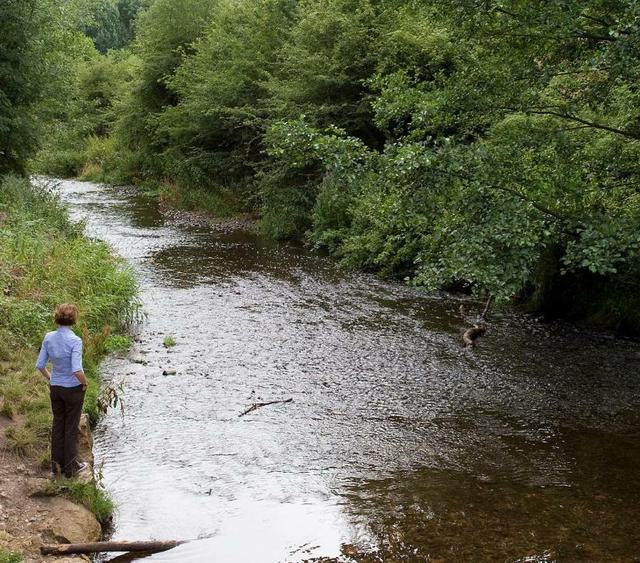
point(67, 384)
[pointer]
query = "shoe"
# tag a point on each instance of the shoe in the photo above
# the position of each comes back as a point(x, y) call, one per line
point(79, 467)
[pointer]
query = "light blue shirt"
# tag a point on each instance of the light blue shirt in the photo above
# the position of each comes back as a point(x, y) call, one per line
point(64, 349)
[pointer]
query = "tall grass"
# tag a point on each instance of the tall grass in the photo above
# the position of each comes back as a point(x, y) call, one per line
point(45, 260)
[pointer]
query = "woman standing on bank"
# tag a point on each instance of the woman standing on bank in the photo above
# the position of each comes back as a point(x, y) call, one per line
point(67, 384)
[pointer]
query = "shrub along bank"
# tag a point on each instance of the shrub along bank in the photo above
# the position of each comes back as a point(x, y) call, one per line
point(45, 260)
point(493, 146)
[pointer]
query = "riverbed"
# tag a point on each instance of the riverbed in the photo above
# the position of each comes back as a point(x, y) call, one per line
point(399, 444)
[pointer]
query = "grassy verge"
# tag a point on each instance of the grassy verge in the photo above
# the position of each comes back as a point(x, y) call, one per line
point(87, 494)
point(46, 260)
point(7, 556)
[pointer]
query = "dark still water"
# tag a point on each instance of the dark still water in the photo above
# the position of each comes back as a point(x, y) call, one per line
point(399, 445)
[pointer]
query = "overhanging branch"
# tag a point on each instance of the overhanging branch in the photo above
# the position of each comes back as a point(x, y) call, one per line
point(576, 119)
point(542, 208)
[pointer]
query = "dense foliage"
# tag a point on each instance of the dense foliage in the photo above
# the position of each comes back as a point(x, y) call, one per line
point(488, 145)
point(29, 56)
point(110, 23)
point(52, 81)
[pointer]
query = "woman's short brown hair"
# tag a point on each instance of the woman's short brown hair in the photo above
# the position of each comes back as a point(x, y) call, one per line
point(66, 314)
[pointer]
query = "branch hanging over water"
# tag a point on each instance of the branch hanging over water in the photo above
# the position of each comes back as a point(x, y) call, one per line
point(485, 312)
point(260, 405)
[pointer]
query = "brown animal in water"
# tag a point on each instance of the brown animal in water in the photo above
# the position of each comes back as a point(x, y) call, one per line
point(470, 335)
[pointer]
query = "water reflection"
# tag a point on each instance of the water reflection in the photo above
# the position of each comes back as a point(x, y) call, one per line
point(427, 515)
point(399, 445)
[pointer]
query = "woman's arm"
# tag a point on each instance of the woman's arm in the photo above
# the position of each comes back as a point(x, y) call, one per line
point(43, 358)
point(81, 377)
point(76, 364)
point(45, 372)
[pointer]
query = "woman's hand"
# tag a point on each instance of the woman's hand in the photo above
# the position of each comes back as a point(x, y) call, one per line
point(82, 378)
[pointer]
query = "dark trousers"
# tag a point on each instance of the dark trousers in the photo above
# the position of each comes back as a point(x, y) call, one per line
point(66, 404)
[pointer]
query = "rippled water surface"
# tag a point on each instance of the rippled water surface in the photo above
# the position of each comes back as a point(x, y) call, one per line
point(399, 445)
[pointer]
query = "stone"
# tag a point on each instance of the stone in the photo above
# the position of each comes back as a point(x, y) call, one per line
point(85, 441)
point(72, 523)
point(39, 487)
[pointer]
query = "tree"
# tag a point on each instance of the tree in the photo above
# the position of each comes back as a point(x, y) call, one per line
point(511, 160)
point(20, 30)
point(37, 49)
point(216, 128)
point(166, 32)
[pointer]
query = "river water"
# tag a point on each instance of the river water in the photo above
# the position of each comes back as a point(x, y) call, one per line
point(399, 445)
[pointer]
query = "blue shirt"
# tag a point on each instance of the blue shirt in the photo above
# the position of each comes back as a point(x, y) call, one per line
point(64, 349)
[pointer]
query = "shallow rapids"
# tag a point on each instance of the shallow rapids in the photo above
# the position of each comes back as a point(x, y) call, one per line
point(399, 445)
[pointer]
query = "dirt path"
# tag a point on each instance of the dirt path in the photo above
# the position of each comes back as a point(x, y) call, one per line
point(30, 516)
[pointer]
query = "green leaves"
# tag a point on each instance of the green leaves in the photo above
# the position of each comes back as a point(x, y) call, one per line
point(493, 145)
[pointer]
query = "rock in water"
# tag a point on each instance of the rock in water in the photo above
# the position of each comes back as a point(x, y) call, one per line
point(72, 523)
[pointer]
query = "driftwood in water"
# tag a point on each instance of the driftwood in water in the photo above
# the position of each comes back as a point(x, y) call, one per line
point(463, 310)
point(100, 546)
point(486, 308)
point(470, 335)
point(260, 405)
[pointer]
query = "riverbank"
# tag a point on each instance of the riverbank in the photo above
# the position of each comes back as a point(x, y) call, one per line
point(45, 259)
point(37, 511)
point(199, 207)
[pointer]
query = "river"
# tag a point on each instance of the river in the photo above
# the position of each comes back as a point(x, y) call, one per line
point(399, 445)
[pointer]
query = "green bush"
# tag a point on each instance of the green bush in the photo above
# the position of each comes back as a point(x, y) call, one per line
point(117, 343)
point(59, 161)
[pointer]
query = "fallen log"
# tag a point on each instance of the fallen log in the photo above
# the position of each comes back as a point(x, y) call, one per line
point(100, 546)
point(260, 405)
point(470, 335)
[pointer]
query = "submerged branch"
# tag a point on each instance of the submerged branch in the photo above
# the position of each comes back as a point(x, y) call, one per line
point(256, 406)
point(483, 316)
